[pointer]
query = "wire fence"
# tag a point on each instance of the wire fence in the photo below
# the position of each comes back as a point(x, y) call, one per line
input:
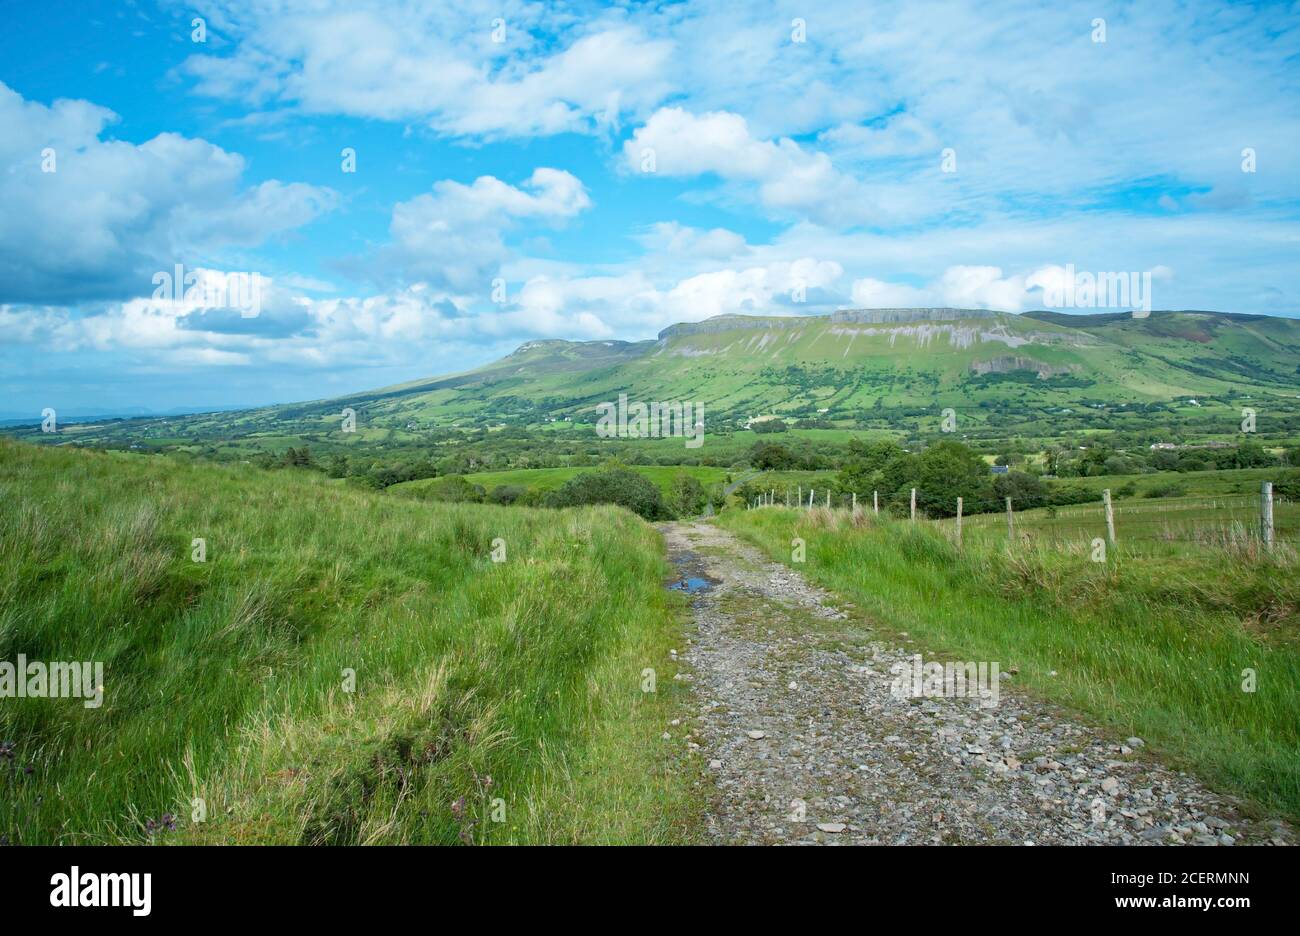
point(1210, 520)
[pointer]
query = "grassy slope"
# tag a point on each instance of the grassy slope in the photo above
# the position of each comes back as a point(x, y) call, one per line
point(1152, 646)
point(223, 680)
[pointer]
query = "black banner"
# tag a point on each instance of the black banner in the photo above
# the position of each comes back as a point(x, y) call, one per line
point(146, 884)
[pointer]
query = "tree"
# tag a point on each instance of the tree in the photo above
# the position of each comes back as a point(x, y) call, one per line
point(1250, 454)
point(1026, 491)
point(875, 466)
point(771, 456)
point(948, 470)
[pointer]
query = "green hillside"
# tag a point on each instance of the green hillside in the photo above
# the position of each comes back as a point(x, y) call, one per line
point(1033, 375)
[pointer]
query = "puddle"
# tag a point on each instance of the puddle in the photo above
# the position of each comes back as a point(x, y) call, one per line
point(691, 586)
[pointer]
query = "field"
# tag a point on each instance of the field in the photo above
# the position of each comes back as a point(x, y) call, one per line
point(1194, 648)
point(341, 667)
point(547, 479)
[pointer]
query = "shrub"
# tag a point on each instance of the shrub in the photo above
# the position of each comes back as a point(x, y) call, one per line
point(1167, 489)
point(506, 494)
point(452, 489)
point(620, 486)
point(686, 496)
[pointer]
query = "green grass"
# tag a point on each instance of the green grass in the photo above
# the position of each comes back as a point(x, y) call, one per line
point(1151, 644)
point(548, 479)
point(1242, 481)
point(225, 680)
point(1151, 525)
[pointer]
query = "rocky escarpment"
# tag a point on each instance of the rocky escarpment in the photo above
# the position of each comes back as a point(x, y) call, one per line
point(721, 323)
point(1007, 363)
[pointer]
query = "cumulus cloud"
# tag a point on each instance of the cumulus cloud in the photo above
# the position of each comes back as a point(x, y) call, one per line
point(454, 237)
point(787, 179)
point(111, 212)
point(961, 287)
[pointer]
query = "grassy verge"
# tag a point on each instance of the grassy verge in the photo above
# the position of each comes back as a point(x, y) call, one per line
point(1152, 645)
point(342, 667)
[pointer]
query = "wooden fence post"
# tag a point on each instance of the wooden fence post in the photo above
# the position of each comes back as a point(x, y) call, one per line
point(1011, 529)
point(828, 498)
point(811, 492)
point(854, 508)
point(799, 502)
point(959, 523)
point(1266, 513)
point(913, 504)
point(1110, 517)
point(875, 502)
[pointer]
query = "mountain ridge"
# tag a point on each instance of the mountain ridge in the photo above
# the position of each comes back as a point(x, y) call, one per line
point(841, 368)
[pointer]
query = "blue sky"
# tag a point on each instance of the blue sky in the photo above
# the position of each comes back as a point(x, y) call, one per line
point(602, 172)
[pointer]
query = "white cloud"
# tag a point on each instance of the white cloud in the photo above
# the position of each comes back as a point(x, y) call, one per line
point(113, 212)
point(455, 236)
point(677, 239)
point(432, 62)
point(788, 179)
point(959, 287)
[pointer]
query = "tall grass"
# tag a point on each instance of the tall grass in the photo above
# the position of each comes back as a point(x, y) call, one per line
point(1152, 644)
point(483, 690)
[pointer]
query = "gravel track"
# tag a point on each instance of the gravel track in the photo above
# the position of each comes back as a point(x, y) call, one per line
point(806, 744)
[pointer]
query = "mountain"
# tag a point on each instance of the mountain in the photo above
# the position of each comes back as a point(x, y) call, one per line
point(843, 367)
point(742, 366)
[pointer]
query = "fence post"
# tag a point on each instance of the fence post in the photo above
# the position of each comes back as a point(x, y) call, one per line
point(811, 492)
point(828, 498)
point(1266, 513)
point(1011, 527)
point(854, 508)
point(875, 502)
point(1110, 517)
point(959, 523)
point(913, 504)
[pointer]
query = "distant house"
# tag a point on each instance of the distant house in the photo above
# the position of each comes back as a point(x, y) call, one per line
point(999, 469)
point(1162, 446)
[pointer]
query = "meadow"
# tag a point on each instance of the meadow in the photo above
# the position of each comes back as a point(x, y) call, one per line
point(341, 667)
point(548, 479)
point(1194, 648)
